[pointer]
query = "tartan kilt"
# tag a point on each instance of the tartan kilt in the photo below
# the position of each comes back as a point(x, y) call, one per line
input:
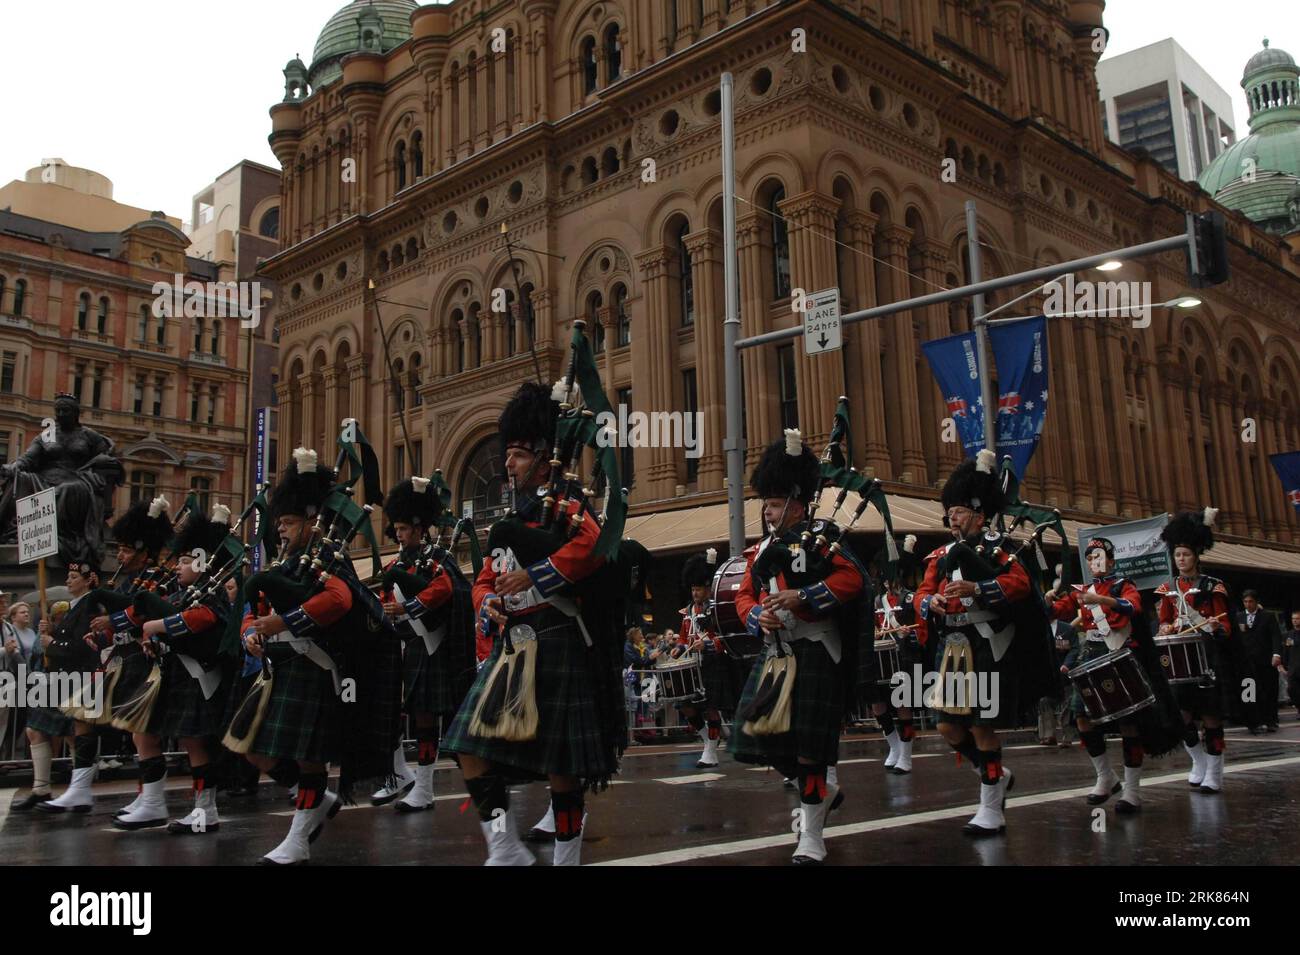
point(427, 684)
point(1005, 706)
point(723, 681)
point(1200, 701)
point(50, 721)
point(302, 715)
point(136, 665)
point(816, 713)
point(181, 709)
point(569, 736)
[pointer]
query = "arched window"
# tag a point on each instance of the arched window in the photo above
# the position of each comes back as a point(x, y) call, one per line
point(399, 385)
point(597, 331)
point(587, 58)
point(138, 395)
point(269, 227)
point(458, 338)
point(613, 54)
point(162, 330)
point(144, 486)
point(201, 487)
point(512, 323)
point(399, 161)
point(212, 406)
point(101, 319)
point(622, 316)
point(198, 335)
point(530, 317)
point(216, 337)
point(476, 336)
point(20, 297)
point(412, 250)
point(417, 154)
point(482, 484)
point(83, 311)
point(780, 246)
point(686, 279)
point(142, 330)
point(609, 162)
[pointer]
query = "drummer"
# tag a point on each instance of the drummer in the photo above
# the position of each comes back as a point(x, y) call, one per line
point(896, 621)
point(1105, 612)
point(1197, 604)
point(697, 636)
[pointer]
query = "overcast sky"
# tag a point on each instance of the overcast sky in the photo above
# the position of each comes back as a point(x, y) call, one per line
point(162, 96)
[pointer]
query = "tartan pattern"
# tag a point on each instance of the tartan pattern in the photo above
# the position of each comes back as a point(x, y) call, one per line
point(816, 713)
point(181, 709)
point(135, 670)
point(427, 683)
point(723, 681)
point(50, 721)
point(1005, 704)
point(1200, 701)
point(569, 738)
point(302, 716)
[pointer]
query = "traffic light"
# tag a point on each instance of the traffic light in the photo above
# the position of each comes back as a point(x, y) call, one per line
point(1207, 257)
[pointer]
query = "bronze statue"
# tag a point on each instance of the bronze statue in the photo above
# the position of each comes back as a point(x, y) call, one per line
point(79, 463)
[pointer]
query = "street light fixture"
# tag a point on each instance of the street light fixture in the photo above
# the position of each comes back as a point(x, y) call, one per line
point(1110, 266)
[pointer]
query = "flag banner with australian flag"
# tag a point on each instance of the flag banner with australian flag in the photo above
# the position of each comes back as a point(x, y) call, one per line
point(1287, 467)
point(1020, 357)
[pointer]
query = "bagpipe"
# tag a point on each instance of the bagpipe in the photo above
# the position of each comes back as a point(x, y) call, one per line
point(157, 577)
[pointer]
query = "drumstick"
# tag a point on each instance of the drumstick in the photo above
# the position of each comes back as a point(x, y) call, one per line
point(1197, 628)
point(902, 629)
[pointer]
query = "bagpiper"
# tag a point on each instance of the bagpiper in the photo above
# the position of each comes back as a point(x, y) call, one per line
point(803, 601)
point(431, 600)
point(978, 601)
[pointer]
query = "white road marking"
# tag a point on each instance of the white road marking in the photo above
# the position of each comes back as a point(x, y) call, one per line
point(894, 822)
point(697, 778)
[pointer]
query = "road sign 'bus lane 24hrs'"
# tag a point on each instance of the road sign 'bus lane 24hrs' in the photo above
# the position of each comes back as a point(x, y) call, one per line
point(821, 322)
point(38, 526)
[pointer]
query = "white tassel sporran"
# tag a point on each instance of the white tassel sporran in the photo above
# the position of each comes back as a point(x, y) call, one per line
point(248, 717)
point(507, 707)
point(770, 710)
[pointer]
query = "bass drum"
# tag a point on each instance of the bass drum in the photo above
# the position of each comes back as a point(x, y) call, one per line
point(737, 642)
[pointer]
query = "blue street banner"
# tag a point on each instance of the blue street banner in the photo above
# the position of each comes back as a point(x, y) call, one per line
point(1140, 552)
point(1287, 467)
point(956, 368)
point(259, 477)
point(1020, 357)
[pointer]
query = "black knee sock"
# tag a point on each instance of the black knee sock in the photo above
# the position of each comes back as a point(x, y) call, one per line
point(906, 729)
point(489, 794)
point(199, 778)
point(1190, 736)
point(1094, 740)
point(426, 738)
point(84, 749)
point(812, 783)
point(1214, 744)
point(1134, 751)
point(991, 766)
point(153, 769)
point(311, 789)
point(568, 815)
point(696, 721)
point(285, 772)
point(715, 729)
point(970, 751)
point(886, 723)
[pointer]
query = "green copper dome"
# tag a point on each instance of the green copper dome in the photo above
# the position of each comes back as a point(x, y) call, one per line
point(378, 25)
point(1257, 175)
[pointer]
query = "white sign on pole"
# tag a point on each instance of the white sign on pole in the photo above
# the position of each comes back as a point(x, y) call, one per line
point(821, 322)
point(38, 526)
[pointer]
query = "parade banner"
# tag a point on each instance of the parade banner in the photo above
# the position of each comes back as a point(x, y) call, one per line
point(38, 526)
point(259, 478)
point(1140, 554)
point(955, 367)
point(1020, 357)
point(1287, 467)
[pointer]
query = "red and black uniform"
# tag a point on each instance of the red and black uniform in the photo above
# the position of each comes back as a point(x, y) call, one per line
point(1200, 603)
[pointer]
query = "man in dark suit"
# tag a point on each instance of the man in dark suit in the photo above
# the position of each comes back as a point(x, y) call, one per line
point(1287, 658)
point(1263, 640)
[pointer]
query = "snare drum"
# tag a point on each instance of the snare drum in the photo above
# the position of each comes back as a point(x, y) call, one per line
point(736, 641)
point(1112, 686)
point(886, 660)
point(1183, 658)
point(681, 680)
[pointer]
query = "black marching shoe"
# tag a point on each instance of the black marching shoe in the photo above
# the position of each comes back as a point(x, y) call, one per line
point(1125, 808)
point(1095, 800)
point(32, 800)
